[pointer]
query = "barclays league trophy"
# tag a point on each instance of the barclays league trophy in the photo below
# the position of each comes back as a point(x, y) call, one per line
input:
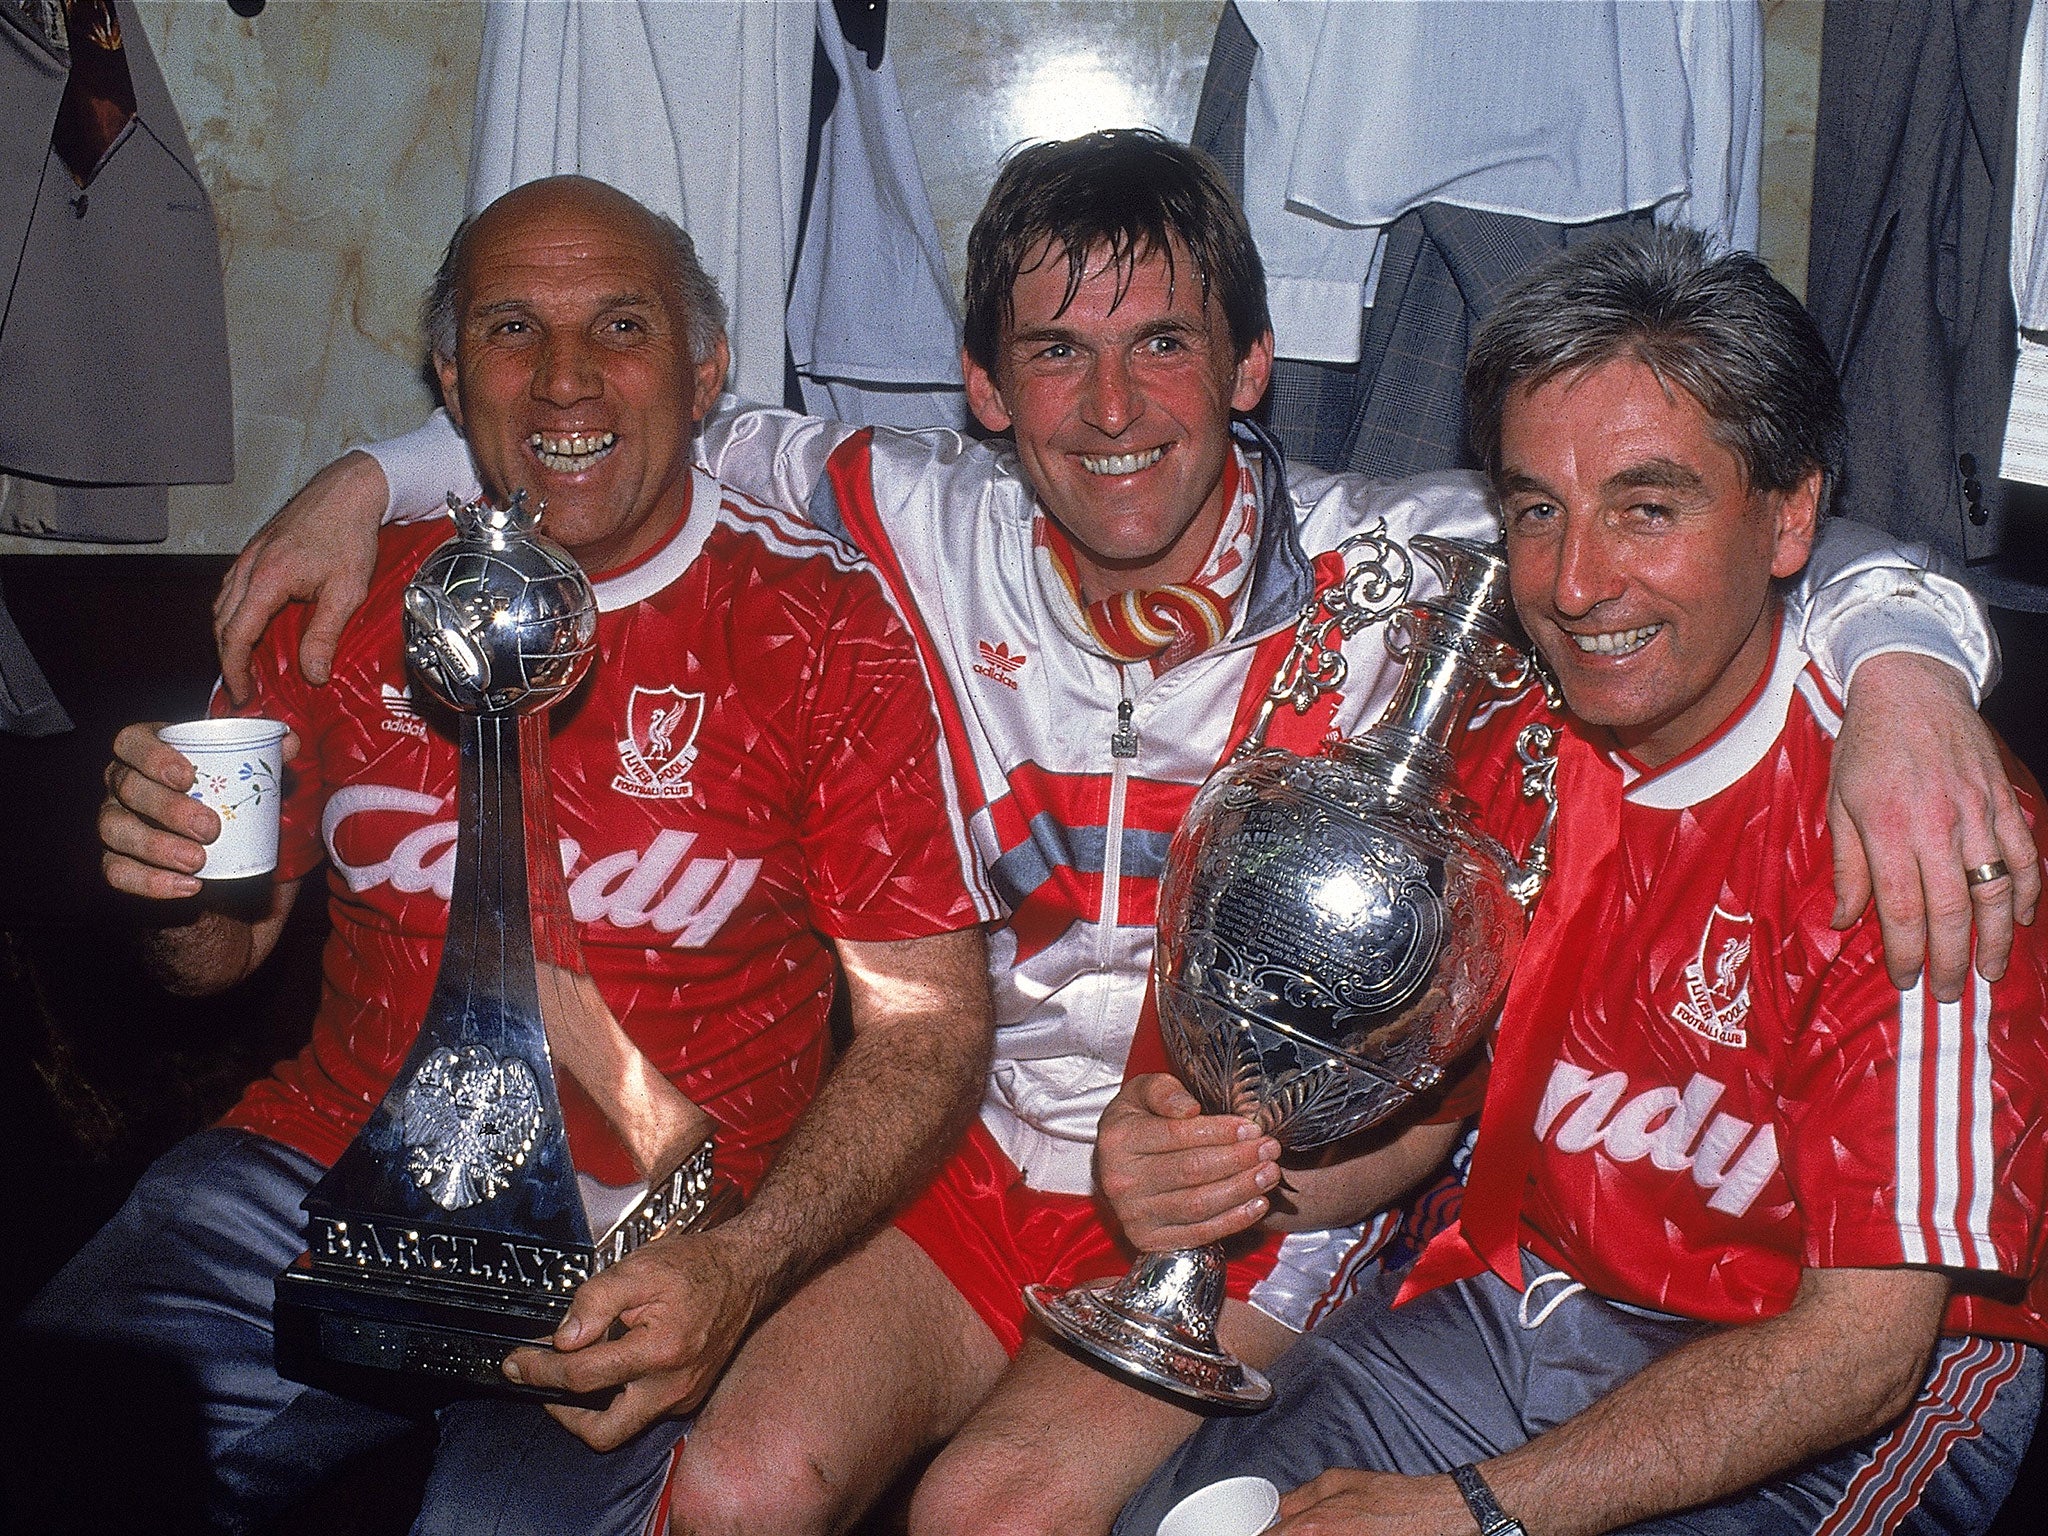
point(458, 1223)
point(1333, 930)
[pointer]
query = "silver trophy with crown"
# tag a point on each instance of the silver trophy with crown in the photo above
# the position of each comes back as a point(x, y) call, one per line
point(1334, 930)
point(458, 1223)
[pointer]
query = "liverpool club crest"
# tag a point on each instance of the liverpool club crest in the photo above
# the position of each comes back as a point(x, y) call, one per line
point(660, 743)
point(1716, 1002)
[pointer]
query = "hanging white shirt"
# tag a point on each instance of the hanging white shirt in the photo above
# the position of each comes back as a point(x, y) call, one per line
point(1561, 110)
point(699, 110)
point(873, 328)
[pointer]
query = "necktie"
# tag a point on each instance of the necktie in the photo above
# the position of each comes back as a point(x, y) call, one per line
point(99, 98)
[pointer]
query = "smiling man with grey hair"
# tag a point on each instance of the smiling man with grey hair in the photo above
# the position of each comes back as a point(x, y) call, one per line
point(1751, 1237)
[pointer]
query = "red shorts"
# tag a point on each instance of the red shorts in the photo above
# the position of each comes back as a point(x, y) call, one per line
point(991, 1235)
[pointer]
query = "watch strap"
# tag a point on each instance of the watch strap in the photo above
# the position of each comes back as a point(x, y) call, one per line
point(1493, 1520)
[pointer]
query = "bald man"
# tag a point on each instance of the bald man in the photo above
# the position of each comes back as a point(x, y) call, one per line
point(792, 813)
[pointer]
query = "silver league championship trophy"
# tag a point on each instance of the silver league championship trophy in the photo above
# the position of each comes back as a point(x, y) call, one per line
point(458, 1223)
point(1333, 930)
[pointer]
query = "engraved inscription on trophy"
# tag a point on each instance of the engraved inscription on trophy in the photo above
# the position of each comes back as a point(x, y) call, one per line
point(458, 1223)
point(399, 1248)
point(1334, 932)
point(1364, 943)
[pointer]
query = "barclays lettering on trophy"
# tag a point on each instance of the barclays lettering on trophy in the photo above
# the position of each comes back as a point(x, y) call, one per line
point(459, 1222)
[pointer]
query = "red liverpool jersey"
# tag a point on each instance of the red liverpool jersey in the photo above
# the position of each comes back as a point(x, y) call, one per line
point(752, 768)
point(1736, 1090)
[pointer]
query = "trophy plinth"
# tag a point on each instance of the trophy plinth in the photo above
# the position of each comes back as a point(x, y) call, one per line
point(1157, 1322)
point(459, 1222)
point(1334, 932)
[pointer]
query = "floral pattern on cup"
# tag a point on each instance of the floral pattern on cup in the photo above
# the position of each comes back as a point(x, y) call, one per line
point(256, 775)
point(237, 771)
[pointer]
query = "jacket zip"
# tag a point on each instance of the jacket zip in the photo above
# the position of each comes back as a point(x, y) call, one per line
point(1123, 751)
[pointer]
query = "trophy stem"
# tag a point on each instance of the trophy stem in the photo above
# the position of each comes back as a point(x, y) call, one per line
point(1157, 1323)
point(490, 925)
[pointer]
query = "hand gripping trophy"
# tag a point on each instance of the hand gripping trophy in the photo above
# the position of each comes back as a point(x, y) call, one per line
point(456, 1225)
point(1333, 930)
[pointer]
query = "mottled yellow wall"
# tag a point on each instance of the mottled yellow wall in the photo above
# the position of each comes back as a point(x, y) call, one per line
point(1791, 94)
point(334, 136)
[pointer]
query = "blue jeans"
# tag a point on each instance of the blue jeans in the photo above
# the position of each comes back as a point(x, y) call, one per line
point(153, 1400)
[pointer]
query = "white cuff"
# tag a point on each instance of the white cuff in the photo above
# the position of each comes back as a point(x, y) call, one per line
point(1907, 620)
point(422, 467)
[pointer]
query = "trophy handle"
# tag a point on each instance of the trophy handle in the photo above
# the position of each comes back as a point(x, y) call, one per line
point(1375, 583)
point(1536, 746)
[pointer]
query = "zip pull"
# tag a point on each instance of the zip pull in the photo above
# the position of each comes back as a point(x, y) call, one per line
point(1123, 741)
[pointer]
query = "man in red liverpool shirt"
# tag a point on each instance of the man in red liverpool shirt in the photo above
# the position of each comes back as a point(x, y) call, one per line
point(1750, 1234)
point(796, 813)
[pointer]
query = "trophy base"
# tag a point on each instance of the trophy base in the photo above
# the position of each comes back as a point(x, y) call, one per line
point(380, 1300)
point(337, 1333)
point(1148, 1347)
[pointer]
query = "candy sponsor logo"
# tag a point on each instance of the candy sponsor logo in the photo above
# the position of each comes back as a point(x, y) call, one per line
point(1678, 1132)
point(661, 887)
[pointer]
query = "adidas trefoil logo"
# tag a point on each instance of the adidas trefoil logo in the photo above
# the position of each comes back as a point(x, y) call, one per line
point(399, 713)
point(999, 663)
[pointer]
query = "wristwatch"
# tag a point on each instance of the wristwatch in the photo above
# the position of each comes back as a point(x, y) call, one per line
point(1493, 1520)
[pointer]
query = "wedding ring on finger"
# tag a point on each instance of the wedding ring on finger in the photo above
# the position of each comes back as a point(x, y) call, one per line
point(1984, 874)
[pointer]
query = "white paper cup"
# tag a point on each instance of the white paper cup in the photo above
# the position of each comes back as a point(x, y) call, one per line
point(238, 774)
point(1237, 1506)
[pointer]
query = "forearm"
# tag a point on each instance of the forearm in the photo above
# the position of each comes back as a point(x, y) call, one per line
point(217, 949)
point(1727, 1411)
point(891, 1108)
point(421, 467)
point(1359, 1184)
point(775, 456)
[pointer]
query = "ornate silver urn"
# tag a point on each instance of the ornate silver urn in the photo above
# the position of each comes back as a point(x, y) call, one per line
point(1334, 932)
point(458, 1223)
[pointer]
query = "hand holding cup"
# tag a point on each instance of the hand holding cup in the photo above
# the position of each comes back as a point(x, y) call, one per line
point(197, 802)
